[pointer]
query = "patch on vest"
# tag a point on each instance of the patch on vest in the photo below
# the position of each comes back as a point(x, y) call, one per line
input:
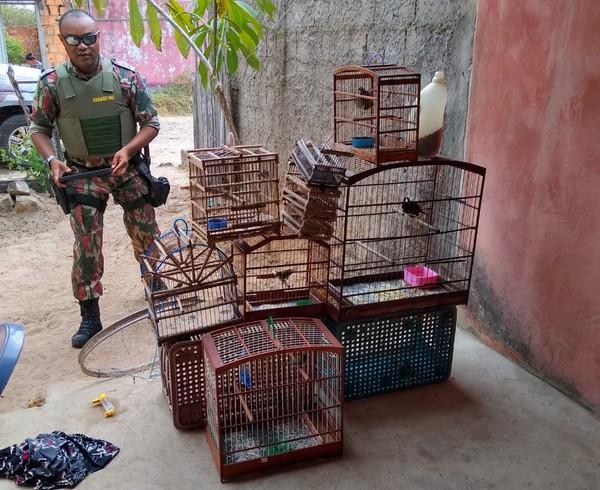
point(120, 64)
point(103, 98)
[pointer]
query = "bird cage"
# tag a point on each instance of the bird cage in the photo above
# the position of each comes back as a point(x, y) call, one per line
point(234, 192)
point(189, 287)
point(404, 237)
point(319, 166)
point(308, 210)
point(281, 275)
point(182, 370)
point(376, 112)
point(274, 394)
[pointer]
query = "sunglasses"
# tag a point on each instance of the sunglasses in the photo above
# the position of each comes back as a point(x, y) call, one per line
point(88, 39)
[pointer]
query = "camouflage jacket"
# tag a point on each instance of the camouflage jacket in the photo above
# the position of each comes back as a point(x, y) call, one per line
point(46, 106)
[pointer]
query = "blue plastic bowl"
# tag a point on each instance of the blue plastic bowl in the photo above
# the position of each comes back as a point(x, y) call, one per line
point(363, 142)
point(217, 223)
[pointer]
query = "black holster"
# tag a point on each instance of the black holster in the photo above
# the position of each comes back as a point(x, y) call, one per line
point(61, 197)
point(158, 187)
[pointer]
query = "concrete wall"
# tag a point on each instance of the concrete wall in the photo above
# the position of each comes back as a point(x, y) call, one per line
point(291, 95)
point(534, 114)
point(156, 67)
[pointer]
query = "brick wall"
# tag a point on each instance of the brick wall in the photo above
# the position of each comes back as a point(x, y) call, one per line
point(28, 37)
point(50, 13)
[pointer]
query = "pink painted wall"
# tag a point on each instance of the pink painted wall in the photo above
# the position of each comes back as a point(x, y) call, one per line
point(534, 122)
point(158, 68)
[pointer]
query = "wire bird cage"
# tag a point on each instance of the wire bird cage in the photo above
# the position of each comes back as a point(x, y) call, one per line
point(189, 287)
point(376, 112)
point(281, 275)
point(182, 370)
point(308, 210)
point(404, 237)
point(274, 394)
point(234, 192)
point(319, 166)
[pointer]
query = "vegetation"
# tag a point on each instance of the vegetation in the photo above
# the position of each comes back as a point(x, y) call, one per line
point(17, 16)
point(14, 50)
point(25, 158)
point(174, 99)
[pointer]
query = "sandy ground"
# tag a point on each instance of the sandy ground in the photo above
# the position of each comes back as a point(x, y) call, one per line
point(493, 425)
point(35, 265)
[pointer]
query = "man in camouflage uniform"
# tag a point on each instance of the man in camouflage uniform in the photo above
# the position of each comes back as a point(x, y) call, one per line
point(96, 105)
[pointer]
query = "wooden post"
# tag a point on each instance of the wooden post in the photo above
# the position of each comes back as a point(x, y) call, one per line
point(210, 128)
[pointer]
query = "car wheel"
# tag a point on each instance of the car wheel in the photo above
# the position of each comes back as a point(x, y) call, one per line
point(13, 130)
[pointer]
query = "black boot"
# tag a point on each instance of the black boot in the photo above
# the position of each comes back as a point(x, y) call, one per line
point(90, 323)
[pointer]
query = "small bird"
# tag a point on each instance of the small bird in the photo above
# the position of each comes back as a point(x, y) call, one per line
point(364, 103)
point(411, 208)
point(284, 275)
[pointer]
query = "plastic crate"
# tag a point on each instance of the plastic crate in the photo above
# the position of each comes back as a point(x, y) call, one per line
point(182, 369)
point(398, 352)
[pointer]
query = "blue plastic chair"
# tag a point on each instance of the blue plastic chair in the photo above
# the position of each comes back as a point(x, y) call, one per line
point(11, 343)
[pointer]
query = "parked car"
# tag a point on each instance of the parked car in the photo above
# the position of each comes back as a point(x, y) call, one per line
point(13, 124)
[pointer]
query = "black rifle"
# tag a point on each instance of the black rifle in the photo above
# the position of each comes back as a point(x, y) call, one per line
point(60, 192)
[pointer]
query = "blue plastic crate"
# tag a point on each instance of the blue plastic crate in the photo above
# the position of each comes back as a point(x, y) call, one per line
point(397, 352)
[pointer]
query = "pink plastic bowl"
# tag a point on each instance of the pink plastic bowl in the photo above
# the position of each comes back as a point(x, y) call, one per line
point(419, 275)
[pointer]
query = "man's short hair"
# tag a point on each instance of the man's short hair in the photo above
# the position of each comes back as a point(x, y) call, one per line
point(29, 57)
point(75, 13)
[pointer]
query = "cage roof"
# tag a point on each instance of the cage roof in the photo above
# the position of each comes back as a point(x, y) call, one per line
point(376, 71)
point(241, 342)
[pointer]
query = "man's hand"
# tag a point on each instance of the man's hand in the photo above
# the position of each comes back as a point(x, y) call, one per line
point(120, 162)
point(58, 169)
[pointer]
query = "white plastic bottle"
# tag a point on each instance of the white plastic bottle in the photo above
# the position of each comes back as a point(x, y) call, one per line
point(431, 115)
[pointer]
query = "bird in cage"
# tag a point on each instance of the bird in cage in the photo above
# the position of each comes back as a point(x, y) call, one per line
point(364, 103)
point(411, 208)
point(283, 275)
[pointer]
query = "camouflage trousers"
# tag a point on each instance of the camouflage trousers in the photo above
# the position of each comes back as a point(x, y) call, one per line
point(87, 225)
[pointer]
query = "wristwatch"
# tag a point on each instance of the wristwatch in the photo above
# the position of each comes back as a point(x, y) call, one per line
point(49, 159)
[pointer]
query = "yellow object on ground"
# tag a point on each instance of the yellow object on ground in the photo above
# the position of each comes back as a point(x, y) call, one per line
point(109, 408)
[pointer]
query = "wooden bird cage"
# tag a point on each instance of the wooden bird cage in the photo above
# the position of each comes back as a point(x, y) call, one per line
point(376, 112)
point(190, 287)
point(281, 275)
point(234, 192)
point(274, 394)
point(404, 238)
point(308, 210)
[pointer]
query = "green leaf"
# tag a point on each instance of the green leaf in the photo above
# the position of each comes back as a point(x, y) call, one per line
point(100, 6)
point(79, 3)
point(248, 39)
point(203, 72)
point(200, 37)
point(250, 15)
point(201, 6)
point(232, 60)
point(267, 7)
point(182, 44)
point(136, 23)
point(154, 24)
point(180, 15)
point(250, 58)
point(253, 61)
